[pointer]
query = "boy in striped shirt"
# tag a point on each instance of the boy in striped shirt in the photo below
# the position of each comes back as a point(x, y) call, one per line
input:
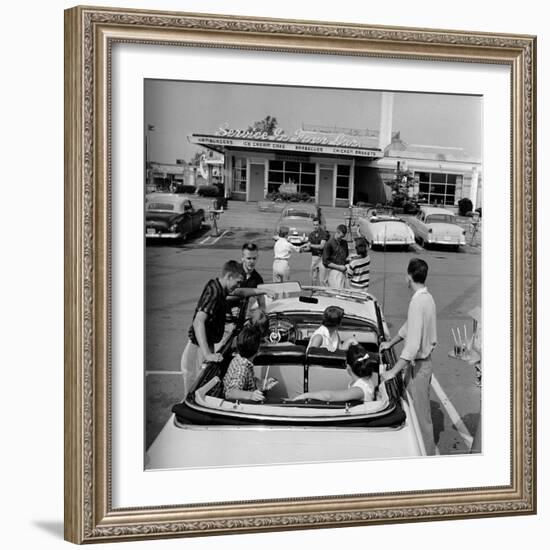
point(358, 268)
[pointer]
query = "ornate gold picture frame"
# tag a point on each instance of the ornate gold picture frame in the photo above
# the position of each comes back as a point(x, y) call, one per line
point(90, 34)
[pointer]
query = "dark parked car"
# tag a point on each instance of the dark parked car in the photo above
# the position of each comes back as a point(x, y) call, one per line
point(170, 216)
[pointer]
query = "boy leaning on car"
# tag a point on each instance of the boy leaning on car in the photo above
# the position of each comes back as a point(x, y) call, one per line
point(208, 323)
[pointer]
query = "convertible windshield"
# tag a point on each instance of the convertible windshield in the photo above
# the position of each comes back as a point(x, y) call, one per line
point(440, 218)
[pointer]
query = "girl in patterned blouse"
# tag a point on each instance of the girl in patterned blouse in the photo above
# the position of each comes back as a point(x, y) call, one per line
point(239, 381)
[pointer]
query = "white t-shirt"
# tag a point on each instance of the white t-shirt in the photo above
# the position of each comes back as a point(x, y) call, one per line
point(282, 249)
point(330, 342)
point(367, 386)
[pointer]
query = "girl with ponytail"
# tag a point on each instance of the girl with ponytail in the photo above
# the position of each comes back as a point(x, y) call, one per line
point(362, 368)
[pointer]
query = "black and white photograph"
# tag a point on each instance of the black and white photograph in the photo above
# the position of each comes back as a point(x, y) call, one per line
point(313, 274)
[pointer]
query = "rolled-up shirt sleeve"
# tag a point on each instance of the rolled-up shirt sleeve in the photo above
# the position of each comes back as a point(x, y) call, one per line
point(411, 331)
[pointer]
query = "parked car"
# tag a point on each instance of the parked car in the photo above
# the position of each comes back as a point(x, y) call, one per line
point(170, 216)
point(382, 228)
point(388, 424)
point(437, 226)
point(299, 219)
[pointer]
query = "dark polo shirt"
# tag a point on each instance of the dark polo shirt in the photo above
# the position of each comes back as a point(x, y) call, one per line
point(211, 302)
point(335, 252)
point(315, 237)
point(252, 280)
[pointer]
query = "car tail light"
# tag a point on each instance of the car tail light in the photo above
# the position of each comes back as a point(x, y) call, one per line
point(173, 228)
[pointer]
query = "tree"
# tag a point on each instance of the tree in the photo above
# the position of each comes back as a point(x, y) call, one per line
point(268, 125)
point(402, 187)
point(465, 206)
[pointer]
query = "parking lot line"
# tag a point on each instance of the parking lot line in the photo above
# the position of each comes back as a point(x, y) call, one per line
point(218, 238)
point(452, 412)
point(206, 239)
point(148, 372)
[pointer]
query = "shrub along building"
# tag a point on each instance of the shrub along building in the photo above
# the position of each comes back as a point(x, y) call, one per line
point(340, 166)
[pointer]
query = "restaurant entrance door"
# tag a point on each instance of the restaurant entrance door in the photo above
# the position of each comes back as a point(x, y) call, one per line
point(257, 182)
point(326, 187)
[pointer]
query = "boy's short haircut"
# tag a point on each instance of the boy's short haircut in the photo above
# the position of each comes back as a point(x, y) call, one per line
point(342, 228)
point(418, 270)
point(233, 268)
point(253, 247)
point(316, 219)
point(283, 231)
point(248, 341)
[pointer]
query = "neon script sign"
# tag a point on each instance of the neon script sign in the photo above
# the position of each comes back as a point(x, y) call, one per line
point(341, 140)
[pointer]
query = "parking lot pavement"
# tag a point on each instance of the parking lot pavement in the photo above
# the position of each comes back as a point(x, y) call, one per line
point(239, 214)
point(176, 274)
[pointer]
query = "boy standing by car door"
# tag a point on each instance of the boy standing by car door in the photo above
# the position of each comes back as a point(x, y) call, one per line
point(208, 324)
point(420, 335)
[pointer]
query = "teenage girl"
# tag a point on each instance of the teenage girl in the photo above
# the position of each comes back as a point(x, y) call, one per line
point(362, 368)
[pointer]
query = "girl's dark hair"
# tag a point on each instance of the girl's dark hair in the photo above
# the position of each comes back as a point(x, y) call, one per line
point(332, 316)
point(248, 341)
point(362, 363)
point(361, 244)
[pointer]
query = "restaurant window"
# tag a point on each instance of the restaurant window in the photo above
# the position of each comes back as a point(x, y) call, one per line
point(438, 188)
point(343, 173)
point(302, 174)
point(239, 175)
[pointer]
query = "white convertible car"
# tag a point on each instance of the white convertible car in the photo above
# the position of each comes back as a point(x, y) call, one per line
point(279, 430)
point(382, 228)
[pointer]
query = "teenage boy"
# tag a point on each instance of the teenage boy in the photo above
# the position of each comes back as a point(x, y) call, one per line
point(208, 324)
point(317, 240)
point(249, 285)
point(420, 336)
point(335, 255)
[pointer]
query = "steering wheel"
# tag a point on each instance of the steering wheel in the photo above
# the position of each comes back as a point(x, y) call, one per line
point(281, 329)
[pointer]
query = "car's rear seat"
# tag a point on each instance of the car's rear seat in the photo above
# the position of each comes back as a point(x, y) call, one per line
point(280, 354)
point(295, 368)
point(286, 364)
point(326, 369)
